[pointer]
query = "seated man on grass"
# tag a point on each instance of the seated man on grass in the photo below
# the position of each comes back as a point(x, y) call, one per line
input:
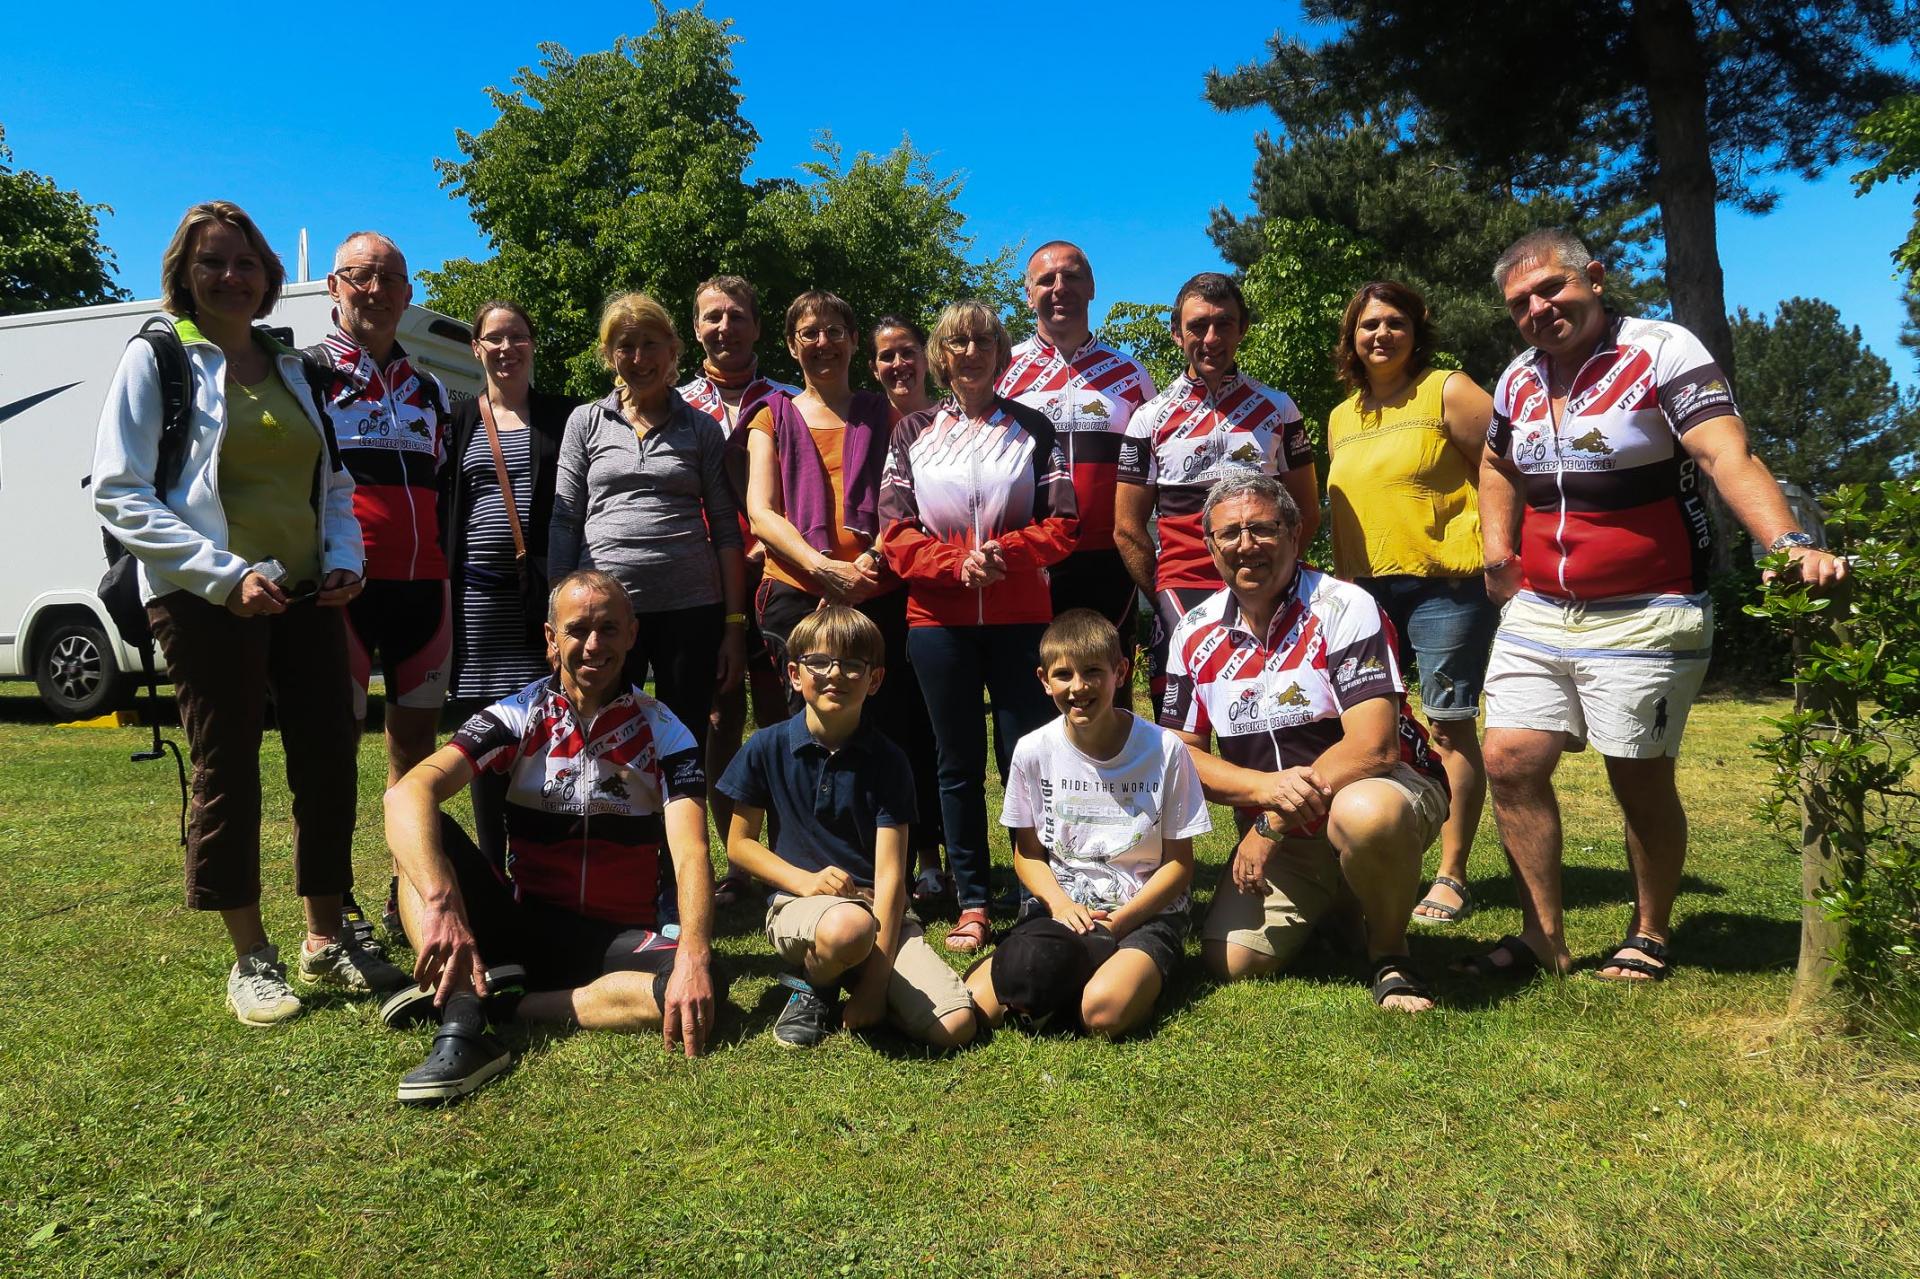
point(599, 776)
point(841, 798)
point(1338, 794)
point(1103, 806)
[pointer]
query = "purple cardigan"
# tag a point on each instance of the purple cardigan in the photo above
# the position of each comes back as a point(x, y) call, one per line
point(803, 476)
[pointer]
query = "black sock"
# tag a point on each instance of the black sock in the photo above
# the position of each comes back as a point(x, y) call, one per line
point(464, 1012)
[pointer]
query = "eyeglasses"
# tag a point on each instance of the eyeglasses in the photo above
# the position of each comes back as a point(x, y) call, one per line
point(505, 340)
point(1263, 533)
point(823, 665)
point(829, 332)
point(362, 277)
point(959, 343)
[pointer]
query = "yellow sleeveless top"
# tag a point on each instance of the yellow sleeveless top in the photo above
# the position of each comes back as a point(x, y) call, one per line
point(1402, 498)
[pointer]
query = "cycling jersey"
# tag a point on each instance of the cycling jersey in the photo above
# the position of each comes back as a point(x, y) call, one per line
point(392, 426)
point(952, 483)
point(585, 802)
point(1184, 439)
point(703, 393)
point(1089, 397)
point(1612, 500)
point(1274, 701)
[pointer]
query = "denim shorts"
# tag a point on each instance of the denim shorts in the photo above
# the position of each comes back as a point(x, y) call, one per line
point(1446, 626)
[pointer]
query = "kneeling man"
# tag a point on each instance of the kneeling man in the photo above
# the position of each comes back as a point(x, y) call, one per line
point(1336, 790)
point(599, 775)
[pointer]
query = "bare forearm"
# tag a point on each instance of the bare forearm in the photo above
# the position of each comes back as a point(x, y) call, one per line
point(413, 836)
point(1752, 494)
point(1499, 512)
point(1132, 504)
point(687, 838)
point(1226, 783)
point(1157, 895)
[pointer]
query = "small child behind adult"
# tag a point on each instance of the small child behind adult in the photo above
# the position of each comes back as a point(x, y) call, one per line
point(842, 798)
point(1103, 806)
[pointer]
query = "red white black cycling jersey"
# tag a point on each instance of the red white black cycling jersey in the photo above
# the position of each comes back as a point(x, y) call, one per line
point(393, 431)
point(1184, 439)
point(1613, 503)
point(1089, 397)
point(1274, 701)
point(585, 803)
point(953, 483)
point(704, 394)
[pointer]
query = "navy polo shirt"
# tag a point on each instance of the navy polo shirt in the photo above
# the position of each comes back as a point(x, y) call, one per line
point(826, 805)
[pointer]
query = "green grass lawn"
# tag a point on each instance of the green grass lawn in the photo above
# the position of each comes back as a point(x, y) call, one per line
point(1275, 1128)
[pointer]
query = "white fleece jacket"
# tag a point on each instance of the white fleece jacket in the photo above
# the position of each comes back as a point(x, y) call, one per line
point(181, 543)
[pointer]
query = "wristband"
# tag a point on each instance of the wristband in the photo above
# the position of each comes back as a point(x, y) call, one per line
point(735, 619)
point(1499, 564)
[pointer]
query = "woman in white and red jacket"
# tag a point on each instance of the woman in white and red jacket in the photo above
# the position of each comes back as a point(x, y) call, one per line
point(975, 503)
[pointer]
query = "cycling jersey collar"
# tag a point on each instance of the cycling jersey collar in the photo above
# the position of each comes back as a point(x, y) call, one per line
point(1607, 344)
point(1190, 385)
point(343, 345)
point(1234, 618)
point(1048, 348)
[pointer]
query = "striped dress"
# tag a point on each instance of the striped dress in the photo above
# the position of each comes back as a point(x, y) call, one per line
point(499, 660)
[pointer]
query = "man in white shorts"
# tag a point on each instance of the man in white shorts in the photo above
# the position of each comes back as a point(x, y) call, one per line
point(1597, 543)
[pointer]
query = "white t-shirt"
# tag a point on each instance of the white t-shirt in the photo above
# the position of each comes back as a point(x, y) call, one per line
point(1101, 821)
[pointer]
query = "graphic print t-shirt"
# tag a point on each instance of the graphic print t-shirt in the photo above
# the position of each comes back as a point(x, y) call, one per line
point(1102, 821)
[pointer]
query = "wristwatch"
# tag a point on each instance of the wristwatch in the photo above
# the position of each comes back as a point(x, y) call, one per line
point(1264, 828)
point(1791, 539)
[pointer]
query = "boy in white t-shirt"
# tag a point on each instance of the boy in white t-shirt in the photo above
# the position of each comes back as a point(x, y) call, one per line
point(1103, 806)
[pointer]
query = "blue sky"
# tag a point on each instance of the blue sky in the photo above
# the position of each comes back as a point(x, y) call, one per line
point(1088, 125)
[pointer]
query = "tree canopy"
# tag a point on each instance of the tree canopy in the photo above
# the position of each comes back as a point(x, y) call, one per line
point(50, 250)
point(625, 169)
point(1691, 101)
point(1821, 408)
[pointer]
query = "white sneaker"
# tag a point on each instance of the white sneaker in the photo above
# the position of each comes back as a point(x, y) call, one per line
point(347, 965)
point(257, 989)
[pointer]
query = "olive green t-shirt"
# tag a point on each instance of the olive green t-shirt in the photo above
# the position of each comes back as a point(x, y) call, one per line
point(268, 461)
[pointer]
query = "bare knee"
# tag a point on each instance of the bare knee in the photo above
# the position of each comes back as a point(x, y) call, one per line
point(1516, 762)
point(1230, 962)
point(845, 936)
point(1367, 816)
point(1458, 735)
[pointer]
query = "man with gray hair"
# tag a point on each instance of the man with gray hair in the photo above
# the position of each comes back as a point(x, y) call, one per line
point(1335, 787)
point(390, 420)
point(1597, 541)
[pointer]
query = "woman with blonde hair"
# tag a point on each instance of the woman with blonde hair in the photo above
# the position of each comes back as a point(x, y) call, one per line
point(975, 503)
point(248, 552)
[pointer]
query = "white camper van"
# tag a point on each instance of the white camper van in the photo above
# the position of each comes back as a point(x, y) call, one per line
point(54, 370)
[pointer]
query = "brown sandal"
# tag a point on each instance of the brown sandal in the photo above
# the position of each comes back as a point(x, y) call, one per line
point(971, 932)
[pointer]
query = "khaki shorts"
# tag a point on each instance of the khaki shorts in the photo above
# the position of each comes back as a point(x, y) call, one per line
point(1620, 674)
point(923, 988)
point(1304, 880)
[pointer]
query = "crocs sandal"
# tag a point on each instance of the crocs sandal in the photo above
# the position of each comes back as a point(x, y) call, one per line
point(1521, 964)
point(971, 932)
point(1448, 914)
point(930, 887)
point(734, 886)
point(1656, 971)
point(1396, 975)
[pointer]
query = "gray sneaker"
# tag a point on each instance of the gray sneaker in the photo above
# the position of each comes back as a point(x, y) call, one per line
point(257, 989)
point(345, 964)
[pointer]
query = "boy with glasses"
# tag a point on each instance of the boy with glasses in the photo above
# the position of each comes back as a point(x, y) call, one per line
point(841, 798)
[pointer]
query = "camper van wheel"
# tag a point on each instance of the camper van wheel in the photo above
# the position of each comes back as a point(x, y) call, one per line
point(75, 670)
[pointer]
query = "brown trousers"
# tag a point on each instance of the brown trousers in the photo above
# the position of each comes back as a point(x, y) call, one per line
point(223, 667)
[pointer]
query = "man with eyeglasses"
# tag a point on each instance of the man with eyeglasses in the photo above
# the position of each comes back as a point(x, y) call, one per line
point(1089, 391)
point(726, 322)
point(390, 420)
point(604, 786)
point(1337, 792)
point(1213, 421)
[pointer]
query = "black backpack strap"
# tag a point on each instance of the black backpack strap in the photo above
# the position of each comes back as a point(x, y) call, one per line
point(176, 396)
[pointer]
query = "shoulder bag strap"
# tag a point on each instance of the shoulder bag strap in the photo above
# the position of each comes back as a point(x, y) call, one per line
point(485, 404)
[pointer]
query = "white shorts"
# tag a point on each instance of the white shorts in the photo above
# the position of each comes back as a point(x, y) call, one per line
point(1618, 673)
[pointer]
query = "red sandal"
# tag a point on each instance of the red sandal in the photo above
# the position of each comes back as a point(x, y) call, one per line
point(971, 932)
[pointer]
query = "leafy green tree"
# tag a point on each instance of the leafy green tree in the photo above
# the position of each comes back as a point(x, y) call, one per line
point(1891, 138)
point(624, 169)
point(1821, 407)
point(1690, 101)
point(50, 250)
point(1427, 219)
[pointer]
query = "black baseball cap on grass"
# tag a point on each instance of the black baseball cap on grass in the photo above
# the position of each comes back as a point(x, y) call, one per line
point(1041, 969)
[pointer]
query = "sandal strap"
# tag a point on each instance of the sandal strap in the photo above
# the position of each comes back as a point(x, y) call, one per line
point(1633, 964)
point(1396, 975)
point(1641, 942)
point(1524, 960)
point(1452, 883)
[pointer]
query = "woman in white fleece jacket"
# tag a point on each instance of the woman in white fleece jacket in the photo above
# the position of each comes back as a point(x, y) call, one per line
point(245, 563)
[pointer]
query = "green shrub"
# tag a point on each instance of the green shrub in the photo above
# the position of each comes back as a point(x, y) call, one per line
point(1853, 746)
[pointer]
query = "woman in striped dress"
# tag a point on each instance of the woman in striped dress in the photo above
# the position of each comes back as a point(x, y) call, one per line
point(497, 649)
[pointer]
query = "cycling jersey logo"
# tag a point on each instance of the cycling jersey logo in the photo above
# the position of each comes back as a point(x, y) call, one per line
point(611, 786)
point(558, 791)
point(1592, 442)
point(1353, 668)
point(1245, 455)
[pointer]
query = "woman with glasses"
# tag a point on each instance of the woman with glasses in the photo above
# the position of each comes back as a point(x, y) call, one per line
point(1403, 491)
point(977, 500)
point(642, 494)
point(498, 547)
point(247, 552)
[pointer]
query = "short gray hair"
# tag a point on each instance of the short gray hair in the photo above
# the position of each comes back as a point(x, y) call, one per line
point(1554, 244)
point(341, 249)
point(1253, 484)
point(592, 578)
